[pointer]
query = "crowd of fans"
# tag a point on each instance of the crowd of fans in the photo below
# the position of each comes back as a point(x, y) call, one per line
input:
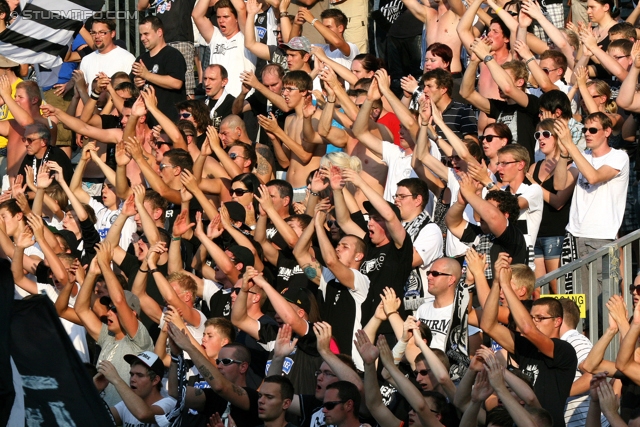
point(255, 222)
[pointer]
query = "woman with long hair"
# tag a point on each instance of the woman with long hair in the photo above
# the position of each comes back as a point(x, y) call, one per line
point(557, 203)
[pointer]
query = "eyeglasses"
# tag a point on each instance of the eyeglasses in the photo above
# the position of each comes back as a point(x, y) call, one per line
point(163, 166)
point(185, 115)
point(30, 140)
point(489, 138)
point(401, 196)
point(325, 373)
point(591, 130)
point(422, 372)
point(289, 89)
point(539, 319)
point(506, 163)
point(545, 134)
point(330, 405)
point(234, 155)
point(277, 32)
point(237, 291)
point(548, 70)
point(227, 362)
point(435, 273)
point(99, 33)
point(634, 288)
point(239, 191)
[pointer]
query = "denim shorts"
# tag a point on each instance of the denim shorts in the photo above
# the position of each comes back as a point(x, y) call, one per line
point(548, 247)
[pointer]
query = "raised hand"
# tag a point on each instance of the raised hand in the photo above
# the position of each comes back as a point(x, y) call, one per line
point(109, 371)
point(349, 175)
point(284, 345)
point(149, 97)
point(617, 312)
point(390, 302)
point(564, 136)
point(25, 239)
point(408, 84)
point(365, 347)
point(129, 206)
point(19, 186)
point(133, 147)
point(36, 224)
point(323, 336)
point(44, 176)
point(214, 230)
point(386, 357)
point(122, 157)
point(181, 225)
point(481, 389)
point(269, 124)
point(104, 253)
point(318, 183)
point(179, 337)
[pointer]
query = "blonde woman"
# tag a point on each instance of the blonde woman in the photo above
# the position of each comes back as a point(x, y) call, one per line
point(557, 204)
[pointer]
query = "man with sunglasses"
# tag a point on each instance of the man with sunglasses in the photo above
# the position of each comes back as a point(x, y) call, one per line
point(537, 347)
point(341, 405)
point(599, 197)
point(37, 140)
point(227, 379)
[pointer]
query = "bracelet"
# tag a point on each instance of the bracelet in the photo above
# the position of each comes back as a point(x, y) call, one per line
point(143, 271)
point(94, 96)
point(174, 238)
point(498, 10)
point(174, 358)
point(393, 312)
point(529, 60)
point(314, 194)
point(565, 157)
point(153, 270)
point(314, 21)
point(331, 102)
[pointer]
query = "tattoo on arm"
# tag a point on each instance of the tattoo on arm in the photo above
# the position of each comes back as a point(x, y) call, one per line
point(312, 270)
point(205, 372)
point(198, 391)
point(238, 390)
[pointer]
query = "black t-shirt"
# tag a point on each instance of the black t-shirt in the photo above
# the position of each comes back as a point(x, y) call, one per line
point(521, 121)
point(168, 62)
point(311, 414)
point(129, 267)
point(224, 109)
point(554, 220)
point(53, 154)
point(176, 19)
point(552, 376)
point(261, 105)
point(406, 26)
point(289, 273)
point(510, 241)
point(301, 365)
point(219, 305)
point(386, 266)
point(259, 355)
point(215, 403)
point(191, 417)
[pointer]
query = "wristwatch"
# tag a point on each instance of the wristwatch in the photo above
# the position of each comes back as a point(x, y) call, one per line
point(487, 58)
point(490, 185)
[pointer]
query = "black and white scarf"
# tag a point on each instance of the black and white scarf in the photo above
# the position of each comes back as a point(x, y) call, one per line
point(413, 289)
point(174, 417)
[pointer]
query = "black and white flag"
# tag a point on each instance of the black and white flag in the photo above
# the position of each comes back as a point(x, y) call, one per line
point(44, 29)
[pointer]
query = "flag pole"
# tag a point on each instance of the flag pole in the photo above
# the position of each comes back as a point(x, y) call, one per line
point(36, 68)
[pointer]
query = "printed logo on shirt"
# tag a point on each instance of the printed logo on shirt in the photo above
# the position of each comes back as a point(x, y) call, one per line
point(222, 48)
point(532, 372)
point(169, 214)
point(155, 69)
point(387, 392)
point(286, 273)
point(262, 32)
point(317, 419)
point(337, 297)
point(439, 326)
point(163, 6)
point(372, 264)
point(287, 365)
point(511, 120)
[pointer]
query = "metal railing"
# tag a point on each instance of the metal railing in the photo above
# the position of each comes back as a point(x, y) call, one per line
point(614, 282)
point(127, 19)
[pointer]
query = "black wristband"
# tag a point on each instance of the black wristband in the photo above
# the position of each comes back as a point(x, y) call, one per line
point(153, 270)
point(144, 271)
point(94, 96)
point(314, 194)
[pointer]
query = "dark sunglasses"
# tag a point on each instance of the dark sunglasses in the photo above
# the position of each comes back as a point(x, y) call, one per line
point(423, 372)
point(634, 288)
point(239, 192)
point(112, 308)
point(544, 133)
point(332, 222)
point(185, 115)
point(227, 362)
point(489, 138)
point(590, 130)
point(234, 155)
point(435, 273)
point(330, 405)
point(237, 290)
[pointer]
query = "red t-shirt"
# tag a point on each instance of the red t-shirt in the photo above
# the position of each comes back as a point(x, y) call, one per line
point(392, 123)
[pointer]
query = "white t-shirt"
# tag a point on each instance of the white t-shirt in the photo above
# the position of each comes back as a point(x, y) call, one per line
point(597, 210)
point(107, 217)
point(128, 420)
point(340, 57)
point(429, 245)
point(359, 295)
point(532, 215)
point(233, 56)
point(439, 321)
point(399, 164)
point(109, 63)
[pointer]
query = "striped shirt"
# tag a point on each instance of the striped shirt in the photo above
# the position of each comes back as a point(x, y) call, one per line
point(460, 118)
point(577, 406)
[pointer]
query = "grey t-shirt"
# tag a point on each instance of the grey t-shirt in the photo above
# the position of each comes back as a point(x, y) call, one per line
point(114, 351)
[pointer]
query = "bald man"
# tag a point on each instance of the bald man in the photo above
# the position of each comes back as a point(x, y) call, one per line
point(442, 278)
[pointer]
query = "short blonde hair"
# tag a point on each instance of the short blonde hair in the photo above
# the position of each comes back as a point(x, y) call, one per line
point(523, 277)
point(342, 160)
